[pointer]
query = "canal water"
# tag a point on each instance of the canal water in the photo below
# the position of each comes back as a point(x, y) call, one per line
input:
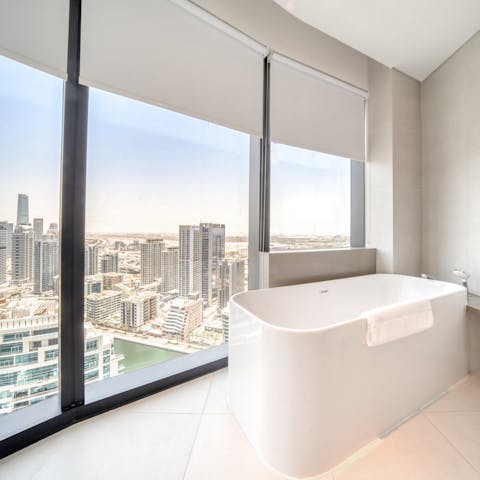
point(138, 356)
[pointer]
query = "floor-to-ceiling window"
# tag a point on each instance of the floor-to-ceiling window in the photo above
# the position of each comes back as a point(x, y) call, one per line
point(167, 193)
point(30, 141)
point(166, 243)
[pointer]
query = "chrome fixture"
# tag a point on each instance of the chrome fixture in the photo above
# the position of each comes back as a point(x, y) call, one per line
point(464, 276)
point(426, 276)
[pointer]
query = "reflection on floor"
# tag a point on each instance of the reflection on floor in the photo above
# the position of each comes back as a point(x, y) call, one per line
point(187, 433)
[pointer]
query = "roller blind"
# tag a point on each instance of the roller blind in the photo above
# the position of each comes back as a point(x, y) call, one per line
point(310, 110)
point(173, 54)
point(35, 32)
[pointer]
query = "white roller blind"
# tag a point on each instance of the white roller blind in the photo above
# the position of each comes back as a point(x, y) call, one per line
point(35, 32)
point(310, 110)
point(173, 54)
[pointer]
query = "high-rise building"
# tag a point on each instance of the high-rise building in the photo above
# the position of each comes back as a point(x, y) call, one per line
point(109, 263)
point(22, 209)
point(31, 372)
point(38, 228)
point(213, 252)
point(3, 253)
point(225, 325)
point(231, 280)
point(101, 307)
point(8, 227)
point(151, 260)
point(223, 287)
point(170, 269)
point(189, 260)
point(91, 260)
point(138, 310)
point(22, 255)
point(185, 315)
point(237, 276)
point(46, 265)
point(53, 229)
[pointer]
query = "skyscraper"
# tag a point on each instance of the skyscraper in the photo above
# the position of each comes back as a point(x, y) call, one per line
point(109, 263)
point(22, 209)
point(9, 229)
point(3, 254)
point(38, 228)
point(46, 265)
point(22, 255)
point(223, 287)
point(231, 280)
point(237, 276)
point(213, 251)
point(151, 260)
point(91, 260)
point(170, 269)
point(189, 260)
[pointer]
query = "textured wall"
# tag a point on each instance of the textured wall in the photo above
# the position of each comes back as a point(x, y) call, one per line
point(407, 174)
point(451, 166)
point(393, 170)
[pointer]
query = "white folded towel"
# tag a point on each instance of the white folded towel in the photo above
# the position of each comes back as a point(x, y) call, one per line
point(398, 320)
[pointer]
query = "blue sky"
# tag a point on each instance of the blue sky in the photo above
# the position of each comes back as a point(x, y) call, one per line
point(151, 169)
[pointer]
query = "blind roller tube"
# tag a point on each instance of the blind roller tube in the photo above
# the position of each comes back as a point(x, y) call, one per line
point(168, 53)
point(309, 110)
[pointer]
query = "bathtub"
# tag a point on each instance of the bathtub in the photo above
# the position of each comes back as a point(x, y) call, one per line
point(307, 390)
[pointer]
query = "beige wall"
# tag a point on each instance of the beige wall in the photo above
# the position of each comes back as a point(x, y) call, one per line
point(407, 171)
point(379, 166)
point(290, 268)
point(473, 325)
point(393, 170)
point(268, 23)
point(451, 166)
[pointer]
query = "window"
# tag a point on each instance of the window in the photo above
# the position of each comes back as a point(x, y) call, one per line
point(26, 358)
point(51, 355)
point(31, 116)
point(167, 194)
point(310, 199)
point(167, 222)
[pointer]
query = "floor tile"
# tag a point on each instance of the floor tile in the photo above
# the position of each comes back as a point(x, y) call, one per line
point(110, 446)
point(463, 397)
point(189, 397)
point(217, 396)
point(416, 451)
point(462, 429)
point(222, 452)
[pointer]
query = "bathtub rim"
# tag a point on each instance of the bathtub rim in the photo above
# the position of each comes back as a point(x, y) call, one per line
point(455, 291)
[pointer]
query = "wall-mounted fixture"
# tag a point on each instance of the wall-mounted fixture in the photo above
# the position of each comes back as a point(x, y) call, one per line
point(464, 276)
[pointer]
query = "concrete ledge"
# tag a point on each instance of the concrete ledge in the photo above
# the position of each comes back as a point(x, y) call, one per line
point(305, 266)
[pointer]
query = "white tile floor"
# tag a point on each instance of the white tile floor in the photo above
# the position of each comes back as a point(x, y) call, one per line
point(187, 433)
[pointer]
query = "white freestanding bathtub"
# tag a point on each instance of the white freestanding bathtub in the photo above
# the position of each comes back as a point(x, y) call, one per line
point(307, 390)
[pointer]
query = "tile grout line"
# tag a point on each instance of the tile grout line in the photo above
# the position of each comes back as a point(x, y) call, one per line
point(198, 427)
point(450, 442)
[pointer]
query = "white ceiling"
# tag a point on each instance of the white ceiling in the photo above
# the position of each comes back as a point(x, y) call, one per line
point(414, 36)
